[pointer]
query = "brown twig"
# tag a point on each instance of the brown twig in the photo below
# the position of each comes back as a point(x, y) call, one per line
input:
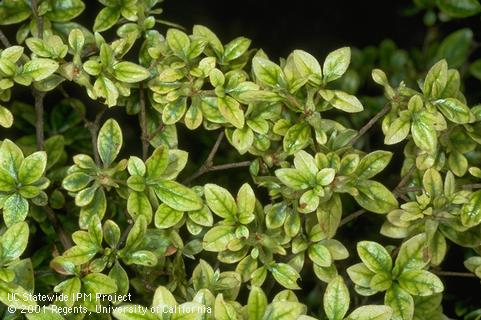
point(64, 239)
point(352, 216)
point(370, 123)
point(454, 274)
point(208, 163)
point(230, 166)
point(143, 123)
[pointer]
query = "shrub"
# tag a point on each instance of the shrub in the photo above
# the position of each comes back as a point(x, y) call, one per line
point(95, 227)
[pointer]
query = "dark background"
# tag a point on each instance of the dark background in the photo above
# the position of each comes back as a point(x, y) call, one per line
point(314, 26)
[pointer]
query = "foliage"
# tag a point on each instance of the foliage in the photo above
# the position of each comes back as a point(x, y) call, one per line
point(116, 233)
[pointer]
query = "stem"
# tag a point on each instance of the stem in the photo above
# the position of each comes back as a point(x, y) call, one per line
point(93, 127)
point(208, 163)
point(38, 19)
point(230, 166)
point(463, 187)
point(370, 123)
point(39, 97)
point(352, 216)
point(3, 38)
point(397, 190)
point(471, 186)
point(64, 239)
point(454, 274)
point(124, 235)
point(143, 123)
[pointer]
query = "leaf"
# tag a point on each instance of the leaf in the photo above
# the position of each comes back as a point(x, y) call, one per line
point(109, 141)
point(246, 201)
point(106, 18)
point(22, 301)
point(293, 178)
point(202, 217)
point(360, 274)
point(217, 238)
point(336, 299)
point(305, 163)
point(268, 73)
point(39, 68)
point(163, 297)
point(424, 134)
point(76, 40)
point(15, 209)
point(375, 257)
point(32, 167)
point(455, 47)
point(373, 163)
point(401, 303)
point(375, 197)
point(6, 117)
point(336, 64)
point(166, 217)
point(471, 211)
point(342, 101)
point(213, 40)
point(436, 80)
point(285, 275)
point(220, 201)
point(157, 163)
point(459, 8)
point(99, 283)
point(7, 182)
point(174, 111)
point(454, 110)
point(284, 310)
point(11, 157)
point(412, 255)
point(64, 11)
point(320, 255)
point(305, 64)
point(105, 88)
point(242, 139)
point(177, 196)
point(371, 312)
point(130, 72)
point(138, 204)
point(297, 137)
point(420, 282)
point(12, 12)
point(236, 48)
point(432, 183)
point(231, 111)
point(14, 241)
point(179, 42)
point(224, 310)
point(256, 303)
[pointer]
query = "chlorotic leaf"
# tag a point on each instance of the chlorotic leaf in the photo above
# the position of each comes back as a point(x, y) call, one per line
point(336, 299)
point(109, 141)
